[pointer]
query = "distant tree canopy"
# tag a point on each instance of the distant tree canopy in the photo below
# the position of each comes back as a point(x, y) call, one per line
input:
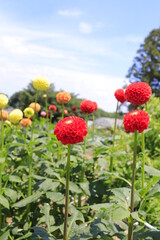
point(146, 65)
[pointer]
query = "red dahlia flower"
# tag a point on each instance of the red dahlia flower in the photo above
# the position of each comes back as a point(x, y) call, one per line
point(120, 95)
point(71, 130)
point(74, 108)
point(138, 93)
point(136, 120)
point(87, 106)
point(52, 108)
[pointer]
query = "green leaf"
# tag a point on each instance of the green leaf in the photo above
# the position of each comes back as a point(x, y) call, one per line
point(41, 232)
point(26, 201)
point(5, 236)
point(2, 160)
point(74, 188)
point(152, 171)
point(56, 197)
point(4, 202)
point(48, 184)
point(11, 194)
point(14, 178)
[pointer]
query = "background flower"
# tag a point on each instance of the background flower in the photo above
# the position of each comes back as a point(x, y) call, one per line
point(28, 112)
point(3, 101)
point(38, 107)
point(138, 93)
point(63, 97)
point(52, 108)
point(25, 122)
point(15, 116)
point(41, 83)
point(71, 130)
point(87, 106)
point(136, 120)
point(120, 95)
point(4, 115)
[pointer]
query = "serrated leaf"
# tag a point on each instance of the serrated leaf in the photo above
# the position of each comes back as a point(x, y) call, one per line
point(5, 235)
point(48, 184)
point(26, 201)
point(56, 197)
point(11, 194)
point(14, 178)
point(4, 202)
point(152, 171)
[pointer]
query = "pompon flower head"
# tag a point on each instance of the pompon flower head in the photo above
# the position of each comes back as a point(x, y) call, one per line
point(8, 123)
point(95, 106)
point(120, 95)
point(38, 107)
point(43, 114)
point(41, 83)
point(71, 130)
point(44, 96)
point(74, 108)
point(138, 93)
point(28, 112)
point(15, 116)
point(4, 115)
point(3, 101)
point(87, 106)
point(52, 108)
point(136, 120)
point(63, 97)
point(25, 122)
point(65, 112)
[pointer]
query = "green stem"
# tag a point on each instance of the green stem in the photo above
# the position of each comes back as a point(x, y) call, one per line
point(93, 132)
point(29, 185)
point(62, 110)
point(67, 193)
point(0, 194)
point(143, 160)
point(130, 227)
point(34, 116)
point(82, 165)
point(46, 107)
point(2, 145)
point(114, 134)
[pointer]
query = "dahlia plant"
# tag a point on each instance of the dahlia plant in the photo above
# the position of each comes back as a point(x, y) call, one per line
point(70, 130)
point(134, 121)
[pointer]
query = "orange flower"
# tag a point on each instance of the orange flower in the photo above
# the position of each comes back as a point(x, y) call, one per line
point(65, 112)
point(38, 107)
point(4, 115)
point(63, 97)
point(25, 122)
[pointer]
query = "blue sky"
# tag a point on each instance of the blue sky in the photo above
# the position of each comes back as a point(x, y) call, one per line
point(85, 47)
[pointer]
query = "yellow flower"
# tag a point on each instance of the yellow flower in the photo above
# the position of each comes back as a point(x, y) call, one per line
point(28, 112)
point(44, 96)
point(15, 116)
point(8, 123)
point(3, 100)
point(41, 83)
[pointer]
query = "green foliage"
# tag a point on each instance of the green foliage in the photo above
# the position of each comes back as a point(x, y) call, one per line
point(105, 205)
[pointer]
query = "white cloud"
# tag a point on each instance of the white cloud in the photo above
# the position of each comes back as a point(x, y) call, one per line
point(85, 28)
point(70, 13)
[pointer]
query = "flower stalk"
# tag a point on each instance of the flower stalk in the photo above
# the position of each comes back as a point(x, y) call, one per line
point(114, 134)
point(130, 227)
point(67, 193)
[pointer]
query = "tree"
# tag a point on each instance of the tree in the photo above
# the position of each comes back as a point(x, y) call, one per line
point(146, 65)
